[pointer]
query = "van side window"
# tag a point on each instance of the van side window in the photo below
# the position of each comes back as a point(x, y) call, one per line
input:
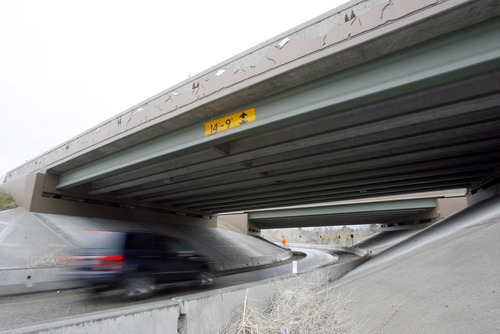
point(175, 246)
point(145, 242)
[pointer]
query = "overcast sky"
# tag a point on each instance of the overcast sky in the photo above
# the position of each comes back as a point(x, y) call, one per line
point(68, 65)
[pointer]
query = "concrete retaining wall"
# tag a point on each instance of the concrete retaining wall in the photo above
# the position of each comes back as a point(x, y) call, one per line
point(26, 237)
point(204, 312)
point(22, 281)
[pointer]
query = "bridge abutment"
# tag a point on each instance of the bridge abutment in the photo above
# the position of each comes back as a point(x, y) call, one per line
point(36, 192)
point(239, 222)
point(479, 195)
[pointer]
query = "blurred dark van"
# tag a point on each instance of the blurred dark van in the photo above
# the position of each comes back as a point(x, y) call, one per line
point(137, 262)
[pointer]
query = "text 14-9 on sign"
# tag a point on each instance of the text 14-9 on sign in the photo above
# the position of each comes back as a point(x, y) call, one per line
point(230, 121)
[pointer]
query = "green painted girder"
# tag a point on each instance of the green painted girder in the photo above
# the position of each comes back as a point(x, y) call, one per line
point(373, 207)
point(457, 55)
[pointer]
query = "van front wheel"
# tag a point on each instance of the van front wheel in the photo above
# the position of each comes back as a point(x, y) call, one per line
point(138, 286)
point(206, 279)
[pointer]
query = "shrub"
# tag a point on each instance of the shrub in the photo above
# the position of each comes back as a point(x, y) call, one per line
point(6, 202)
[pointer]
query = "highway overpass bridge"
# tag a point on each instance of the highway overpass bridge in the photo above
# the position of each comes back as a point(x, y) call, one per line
point(415, 211)
point(403, 212)
point(374, 98)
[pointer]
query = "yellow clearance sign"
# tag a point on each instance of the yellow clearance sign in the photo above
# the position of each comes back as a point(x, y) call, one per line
point(230, 121)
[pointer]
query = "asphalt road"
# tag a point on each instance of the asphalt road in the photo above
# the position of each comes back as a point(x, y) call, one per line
point(24, 310)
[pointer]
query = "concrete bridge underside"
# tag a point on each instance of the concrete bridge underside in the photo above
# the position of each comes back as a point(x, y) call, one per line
point(410, 106)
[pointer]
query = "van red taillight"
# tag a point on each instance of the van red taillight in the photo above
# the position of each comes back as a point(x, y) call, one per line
point(108, 263)
point(109, 258)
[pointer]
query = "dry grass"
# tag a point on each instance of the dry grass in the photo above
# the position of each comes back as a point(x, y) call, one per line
point(48, 261)
point(307, 306)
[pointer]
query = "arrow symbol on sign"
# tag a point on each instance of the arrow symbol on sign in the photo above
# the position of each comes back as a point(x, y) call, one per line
point(242, 116)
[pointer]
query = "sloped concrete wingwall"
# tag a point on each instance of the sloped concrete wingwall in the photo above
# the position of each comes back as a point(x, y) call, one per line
point(22, 189)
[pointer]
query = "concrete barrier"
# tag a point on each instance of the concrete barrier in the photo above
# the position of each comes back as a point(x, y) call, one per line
point(240, 262)
point(22, 281)
point(351, 249)
point(204, 312)
point(158, 317)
